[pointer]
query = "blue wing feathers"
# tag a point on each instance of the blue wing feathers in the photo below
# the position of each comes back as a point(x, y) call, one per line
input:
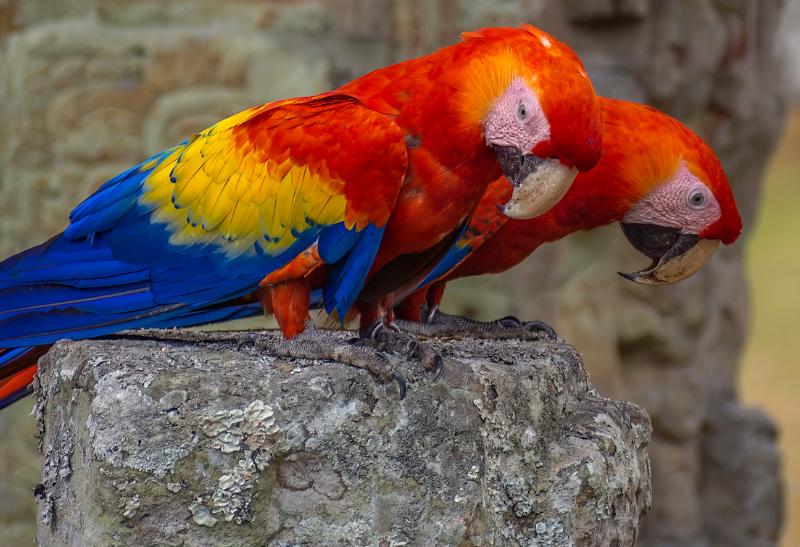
point(112, 201)
point(455, 255)
point(113, 268)
point(10, 355)
point(100, 221)
point(43, 298)
point(345, 279)
point(47, 327)
point(83, 288)
point(452, 259)
point(335, 241)
point(222, 312)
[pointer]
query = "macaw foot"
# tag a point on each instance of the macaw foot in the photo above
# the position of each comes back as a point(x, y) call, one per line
point(439, 324)
point(310, 345)
point(391, 339)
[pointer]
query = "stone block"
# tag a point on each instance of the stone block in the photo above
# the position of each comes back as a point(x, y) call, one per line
point(173, 437)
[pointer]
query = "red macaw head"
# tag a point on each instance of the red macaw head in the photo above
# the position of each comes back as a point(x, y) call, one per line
point(679, 205)
point(538, 111)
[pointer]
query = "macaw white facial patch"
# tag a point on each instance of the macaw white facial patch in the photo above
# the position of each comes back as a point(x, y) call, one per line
point(684, 202)
point(517, 119)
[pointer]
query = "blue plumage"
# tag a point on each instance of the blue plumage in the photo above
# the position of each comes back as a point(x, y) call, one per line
point(16, 396)
point(452, 259)
point(335, 242)
point(14, 353)
point(204, 316)
point(44, 298)
point(112, 201)
point(345, 278)
point(114, 269)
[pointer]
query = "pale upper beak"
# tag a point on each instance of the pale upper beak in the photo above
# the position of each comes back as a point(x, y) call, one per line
point(538, 183)
point(675, 255)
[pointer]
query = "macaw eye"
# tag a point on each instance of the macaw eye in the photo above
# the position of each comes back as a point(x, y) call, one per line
point(697, 199)
point(522, 111)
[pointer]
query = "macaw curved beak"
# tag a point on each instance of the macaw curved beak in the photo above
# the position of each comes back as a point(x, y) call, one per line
point(538, 183)
point(675, 255)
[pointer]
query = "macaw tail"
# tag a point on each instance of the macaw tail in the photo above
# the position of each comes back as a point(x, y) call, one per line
point(72, 289)
point(18, 365)
point(18, 386)
point(17, 369)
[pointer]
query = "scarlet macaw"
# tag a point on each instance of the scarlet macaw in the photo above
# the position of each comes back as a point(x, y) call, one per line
point(655, 176)
point(373, 180)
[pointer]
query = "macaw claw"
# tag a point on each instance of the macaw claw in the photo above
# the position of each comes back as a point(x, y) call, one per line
point(511, 322)
point(391, 339)
point(437, 371)
point(401, 384)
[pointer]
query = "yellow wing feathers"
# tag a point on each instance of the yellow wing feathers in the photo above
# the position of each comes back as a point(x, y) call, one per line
point(239, 191)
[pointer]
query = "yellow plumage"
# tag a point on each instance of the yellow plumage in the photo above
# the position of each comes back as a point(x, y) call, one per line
point(213, 189)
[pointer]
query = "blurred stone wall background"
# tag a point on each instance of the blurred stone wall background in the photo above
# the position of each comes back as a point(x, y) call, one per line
point(90, 87)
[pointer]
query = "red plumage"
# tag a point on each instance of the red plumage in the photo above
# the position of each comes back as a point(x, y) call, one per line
point(416, 128)
point(439, 102)
point(642, 148)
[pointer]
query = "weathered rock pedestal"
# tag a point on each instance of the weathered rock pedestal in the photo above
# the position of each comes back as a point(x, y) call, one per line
point(186, 438)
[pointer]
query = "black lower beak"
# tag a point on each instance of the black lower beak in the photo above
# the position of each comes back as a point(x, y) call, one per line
point(675, 255)
point(658, 242)
point(516, 166)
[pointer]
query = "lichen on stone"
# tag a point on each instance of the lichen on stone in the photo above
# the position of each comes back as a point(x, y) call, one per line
point(550, 533)
point(119, 406)
point(253, 429)
point(129, 505)
point(518, 492)
point(231, 499)
point(253, 432)
point(201, 515)
point(482, 456)
point(563, 496)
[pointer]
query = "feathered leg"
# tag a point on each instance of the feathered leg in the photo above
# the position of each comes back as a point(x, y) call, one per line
point(289, 302)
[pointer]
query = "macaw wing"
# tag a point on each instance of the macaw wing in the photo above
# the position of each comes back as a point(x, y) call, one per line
point(486, 220)
point(205, 221)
